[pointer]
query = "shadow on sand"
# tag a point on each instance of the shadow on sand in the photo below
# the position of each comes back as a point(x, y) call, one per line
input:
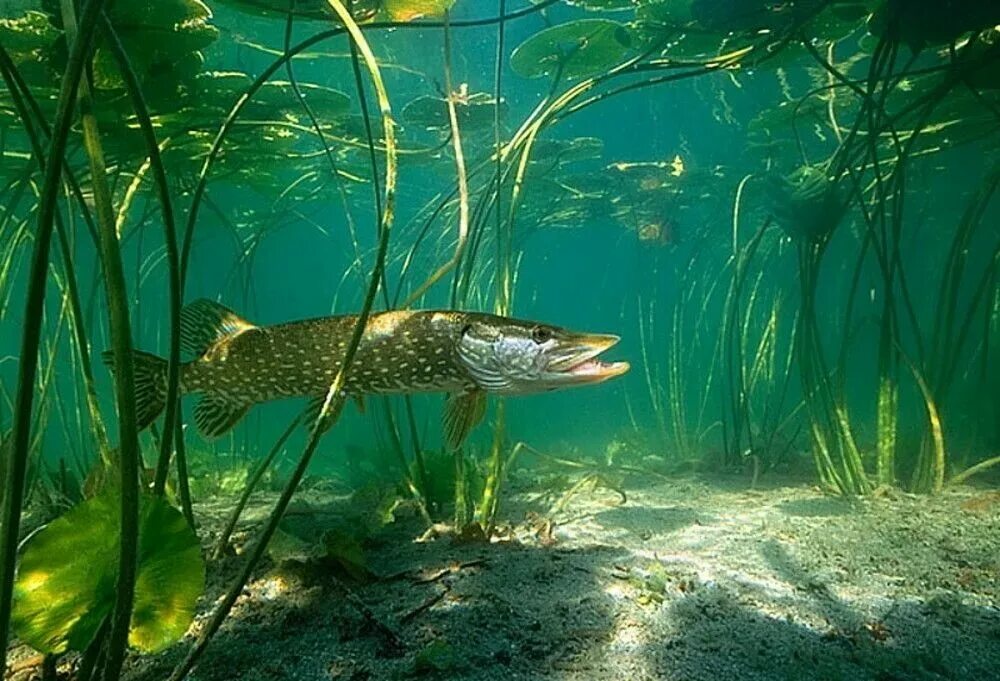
point(718, 633)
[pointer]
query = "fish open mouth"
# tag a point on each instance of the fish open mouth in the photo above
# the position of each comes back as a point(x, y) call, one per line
point(579, 362)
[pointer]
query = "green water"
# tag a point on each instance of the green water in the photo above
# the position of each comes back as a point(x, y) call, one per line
point(786, 210)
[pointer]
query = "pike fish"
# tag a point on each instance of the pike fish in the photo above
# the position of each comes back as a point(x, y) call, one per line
point(467, 354)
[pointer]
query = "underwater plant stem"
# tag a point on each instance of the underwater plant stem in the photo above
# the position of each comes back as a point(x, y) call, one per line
point(335, 397)
point(183, 486)
point(936, 463)
point(33, 312)
point(352, 231)
point(231, 119)
point(974, 470)
point(490, 501)
point(251, 486)
point(172, 411)
point(497, 138)
point(419, 493)
point(8, 70)
point(124, 379)
point(463, 182)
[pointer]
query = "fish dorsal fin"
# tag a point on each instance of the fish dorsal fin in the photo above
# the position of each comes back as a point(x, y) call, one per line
point(205, 322)
point(215, 415)
point(462, 412)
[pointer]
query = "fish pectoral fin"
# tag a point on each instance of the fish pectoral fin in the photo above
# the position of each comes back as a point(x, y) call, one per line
point(311, 413)
point(359, 402)
point(215, 415)
point(205, 322)
point(462, 412)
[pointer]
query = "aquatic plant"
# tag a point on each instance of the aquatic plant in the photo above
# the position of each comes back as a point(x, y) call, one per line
point(65, 590)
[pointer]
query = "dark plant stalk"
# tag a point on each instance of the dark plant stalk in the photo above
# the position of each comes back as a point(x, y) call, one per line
point(490, 501)
point(251, 485)
point(234, 113)
point(16, 87)
point(34, 307)
point(121, 343)
point(183, 486)
point(314, 122)
point(335, 398)
point(171, 413)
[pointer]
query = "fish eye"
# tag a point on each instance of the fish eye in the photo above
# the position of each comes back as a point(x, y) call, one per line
point(541, 334)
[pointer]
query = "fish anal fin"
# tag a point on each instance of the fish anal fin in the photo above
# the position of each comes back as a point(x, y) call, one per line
point(462, 412)
point(215, 415)
point(204, 323)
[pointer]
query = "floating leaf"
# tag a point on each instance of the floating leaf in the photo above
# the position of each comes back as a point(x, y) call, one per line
point(65, 586)
point(475, 112)
point(603, 5)
point(574, 50)
point(919, 23)
point(362, 10)
point(670, 27)
point(805, 203)
point(408, 10)
point(25, 35)
point(743, 16)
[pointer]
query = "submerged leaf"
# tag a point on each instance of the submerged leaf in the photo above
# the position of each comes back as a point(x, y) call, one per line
point(475, 112)
point(918, 23)
point(408, 10)
point(66, 582)
point(573, 50)
point(604, 5)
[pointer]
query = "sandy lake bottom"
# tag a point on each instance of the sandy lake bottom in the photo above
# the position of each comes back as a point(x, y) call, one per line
point(688, 579)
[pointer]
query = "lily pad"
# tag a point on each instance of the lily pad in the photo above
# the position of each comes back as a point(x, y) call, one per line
point(65, 586)
point(670, 27)
point(919, 23)
point(475, 112)
point(318, 10)
point(805, 203)
point(408, 10)
point(604, 5)
point(573, 50)
point(741, 16)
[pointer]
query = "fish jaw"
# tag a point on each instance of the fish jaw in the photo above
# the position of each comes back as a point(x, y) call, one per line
point(576, 362)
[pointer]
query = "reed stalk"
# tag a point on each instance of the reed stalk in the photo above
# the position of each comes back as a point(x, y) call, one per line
point(32, 318)
point(171, 414)
point(121, 339)
point(335, 398)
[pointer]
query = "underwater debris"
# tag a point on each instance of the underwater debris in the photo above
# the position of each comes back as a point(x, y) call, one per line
point(468, 354)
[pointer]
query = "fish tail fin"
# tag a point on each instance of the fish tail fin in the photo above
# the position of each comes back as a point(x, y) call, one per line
point(150, 385)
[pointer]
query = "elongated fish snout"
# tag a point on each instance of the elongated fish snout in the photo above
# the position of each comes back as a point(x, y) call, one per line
point(576, 360)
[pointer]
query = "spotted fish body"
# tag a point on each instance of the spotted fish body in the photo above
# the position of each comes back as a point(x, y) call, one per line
point(467, 354)
point(399, 352)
